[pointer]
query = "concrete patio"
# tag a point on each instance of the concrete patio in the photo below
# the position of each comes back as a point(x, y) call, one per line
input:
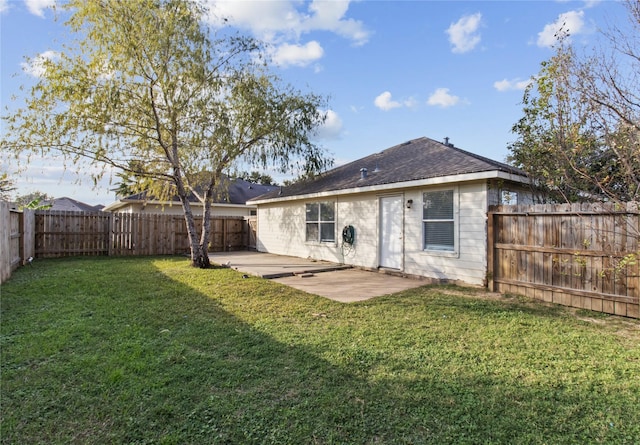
point(338, 282)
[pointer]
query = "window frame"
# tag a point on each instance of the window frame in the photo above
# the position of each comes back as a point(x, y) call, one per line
point(454, 220)
point(319, 222)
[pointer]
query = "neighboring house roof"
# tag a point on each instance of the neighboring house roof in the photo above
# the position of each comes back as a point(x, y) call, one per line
point(69, 204)
point(415, 160)
point(238, 192)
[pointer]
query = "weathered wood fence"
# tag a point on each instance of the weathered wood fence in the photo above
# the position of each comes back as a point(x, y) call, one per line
point(580, 255)
point(584, 256)
point(59, 234)
point(54, 234)
point(16, 231)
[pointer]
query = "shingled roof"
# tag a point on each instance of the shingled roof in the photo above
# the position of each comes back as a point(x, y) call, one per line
point(414, 160)
point(68, 204)
point(236, 191)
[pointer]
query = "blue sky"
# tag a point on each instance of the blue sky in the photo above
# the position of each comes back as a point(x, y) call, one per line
point(393, 70)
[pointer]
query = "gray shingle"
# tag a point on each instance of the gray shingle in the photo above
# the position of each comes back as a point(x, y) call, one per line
point(236, 191)
point(417, 159)
point(68, 204)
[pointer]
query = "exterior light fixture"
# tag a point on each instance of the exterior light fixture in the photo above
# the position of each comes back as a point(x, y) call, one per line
point(410, 203)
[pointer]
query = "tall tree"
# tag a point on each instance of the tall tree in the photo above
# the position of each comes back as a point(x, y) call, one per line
point(34, 200)
point(130, 183)
point(148, 90)
point(579, 138)
point(7, 186)
point(256, 177)
point(553, 136)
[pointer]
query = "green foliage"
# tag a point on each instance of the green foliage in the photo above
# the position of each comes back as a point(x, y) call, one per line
point(308, 176)
point(579, 138)
point(33, 201)
point(7, 186)
point(146, 89)
point(256, 177)
point(149, 350)
point(131, 181)
point(36, 205)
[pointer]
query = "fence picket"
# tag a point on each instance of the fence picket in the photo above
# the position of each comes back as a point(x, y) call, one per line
point(124, 234)
point(574, 257)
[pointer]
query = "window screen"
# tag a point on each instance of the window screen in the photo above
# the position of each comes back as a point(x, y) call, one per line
point(320, 221)
point(438, 220)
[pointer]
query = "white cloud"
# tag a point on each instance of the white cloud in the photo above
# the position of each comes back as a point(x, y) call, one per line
point(37, 7)
point(571, 22)
point(36, 66)
point(591, 3)
point(297, 55)
point(273, 20)
point(442, 98)
point(410, 103)
point(384, 102)
point(463, 34)
point(332, 127)
point(509, 85)
point(49, 175)
point(329, 16)
point(4, 6)
point(259, 16)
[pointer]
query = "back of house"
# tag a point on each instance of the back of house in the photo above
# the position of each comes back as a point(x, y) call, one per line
point(418, 208)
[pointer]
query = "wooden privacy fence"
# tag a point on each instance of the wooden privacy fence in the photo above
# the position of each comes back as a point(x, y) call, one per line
point(60, 234)
point(580, 255)
point(16, 234)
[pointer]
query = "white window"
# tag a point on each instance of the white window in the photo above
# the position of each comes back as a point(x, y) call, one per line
point(321, 224)
point(438, 221)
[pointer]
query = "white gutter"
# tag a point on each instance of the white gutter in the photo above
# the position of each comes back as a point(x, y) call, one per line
point(466, 177)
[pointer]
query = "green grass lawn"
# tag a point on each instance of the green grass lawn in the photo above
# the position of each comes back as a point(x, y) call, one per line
point(151, 351)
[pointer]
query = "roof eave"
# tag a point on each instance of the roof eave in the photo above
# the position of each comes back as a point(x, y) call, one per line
point(114, 205)
point(125, 202)
point(241, 206)
point(381, 188)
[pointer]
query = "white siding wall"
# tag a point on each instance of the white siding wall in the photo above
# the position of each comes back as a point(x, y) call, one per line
point(361, 212)
point(281, 230)
point(469, 263)
point(230, 211)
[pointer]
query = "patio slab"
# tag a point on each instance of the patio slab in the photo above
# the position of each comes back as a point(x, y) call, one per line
point(269, 266)
point(338, 282)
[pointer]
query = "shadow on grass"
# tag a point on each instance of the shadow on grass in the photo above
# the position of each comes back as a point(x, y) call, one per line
point(114, 351)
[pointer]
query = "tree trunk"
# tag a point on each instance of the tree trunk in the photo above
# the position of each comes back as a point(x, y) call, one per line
point(206, 227)
point(199, 249)
point(201, 258)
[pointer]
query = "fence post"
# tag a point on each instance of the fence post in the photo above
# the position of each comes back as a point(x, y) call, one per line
point(245, 233)
point(28, 242)
point(5, 242)
point(490, 249)
point(110, 234)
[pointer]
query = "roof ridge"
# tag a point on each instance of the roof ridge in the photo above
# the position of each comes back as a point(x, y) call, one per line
point(477, 156)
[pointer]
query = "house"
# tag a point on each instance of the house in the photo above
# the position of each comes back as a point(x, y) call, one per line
point(418, 208)
point(68, 204)
point(64, 204)
point(230, 201)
